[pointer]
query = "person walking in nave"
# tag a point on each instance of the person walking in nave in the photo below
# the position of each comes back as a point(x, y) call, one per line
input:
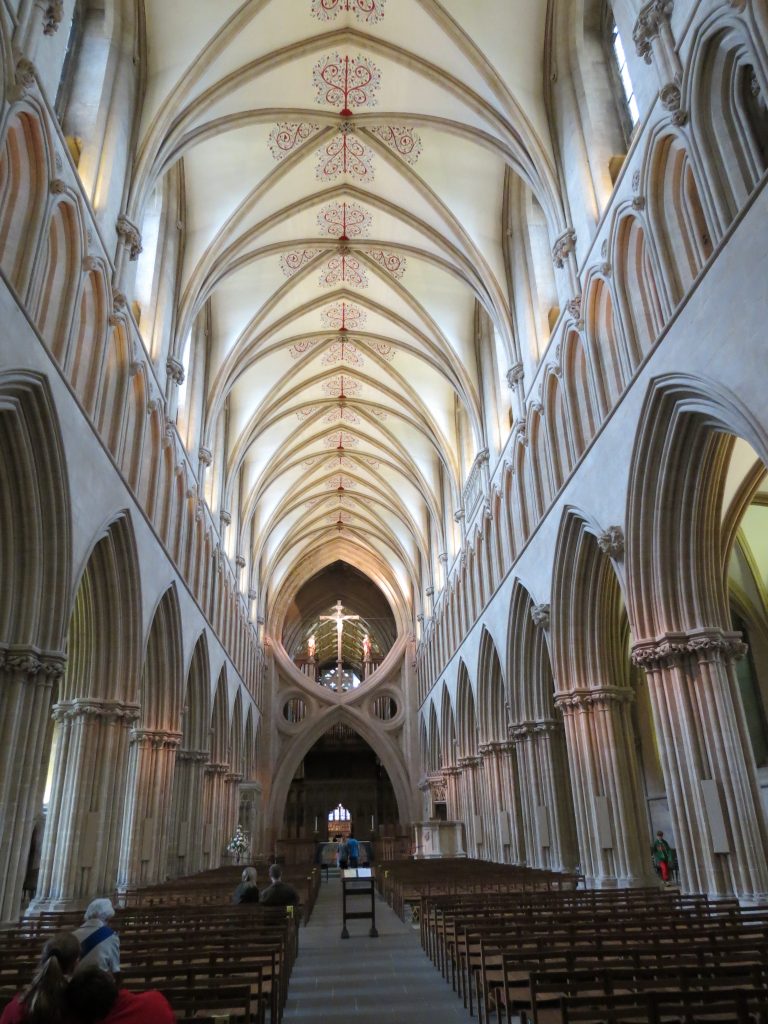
point(661, 852)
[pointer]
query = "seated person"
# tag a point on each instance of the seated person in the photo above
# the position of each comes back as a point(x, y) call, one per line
point(279, 893)
point(42, 1002)
point(99, 945)
point(93, 996)
point(247, 891)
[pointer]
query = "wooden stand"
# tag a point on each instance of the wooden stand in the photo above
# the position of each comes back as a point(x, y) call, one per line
point(353, 885)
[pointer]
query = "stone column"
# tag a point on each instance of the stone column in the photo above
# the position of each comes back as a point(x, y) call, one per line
point(473, 805)
point(492, 798)
point(81, 848)
point(151, 764)
point(453, 794)
point(719, 824)
point(250, 815)
point(612, 826)
point(27, 678)
point(213, 818)
point(185, 854)
point(510, 789)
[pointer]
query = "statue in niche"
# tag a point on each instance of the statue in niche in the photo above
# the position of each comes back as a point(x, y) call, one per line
point(311, 646)
point(366, 648)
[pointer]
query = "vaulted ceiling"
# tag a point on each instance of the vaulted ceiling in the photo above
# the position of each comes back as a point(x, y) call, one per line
point(344, 169)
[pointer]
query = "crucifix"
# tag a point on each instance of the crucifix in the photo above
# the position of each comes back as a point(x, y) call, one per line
point(339, 619)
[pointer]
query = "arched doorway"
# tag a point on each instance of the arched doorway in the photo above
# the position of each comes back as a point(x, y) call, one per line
point(340, 772)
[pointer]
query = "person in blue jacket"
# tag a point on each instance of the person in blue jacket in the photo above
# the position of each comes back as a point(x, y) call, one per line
point(353, 849)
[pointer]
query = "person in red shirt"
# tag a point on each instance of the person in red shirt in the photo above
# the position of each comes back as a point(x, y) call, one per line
point(92, 997)
point(42, 1002)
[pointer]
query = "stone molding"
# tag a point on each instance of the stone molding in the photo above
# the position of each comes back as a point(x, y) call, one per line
point(130, 236)
point(32, 662)
point(95, 707)
point(707, 644)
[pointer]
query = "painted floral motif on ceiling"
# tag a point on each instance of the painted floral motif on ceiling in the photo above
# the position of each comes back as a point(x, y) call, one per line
point(342, 384)
point(343, 316)
point(289, 135)
point(342, 414)
point(367, 11)
point(343, 352)
point(292, 262)
point(346, 155)
point(383, 349)
point(343, 268)
point(345, 82)
point(306, 411)
point(402, 139)
point(340, 482)
point(340, 517)
point(344, 220)
point(300, 348)
point(341, 438)
point(389, 261)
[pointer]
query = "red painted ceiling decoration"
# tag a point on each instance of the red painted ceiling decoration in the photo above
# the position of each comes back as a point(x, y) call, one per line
point(373, 463)
point(368, 11)
point(306, 412)
point(342, 414)
point(343, 352)
point(340, 517)
point(340, 385)
point(292, 262)
point(380, 414)
point(340, 482)
point(345, 154)
point(344, 221)
point(289, 135)
point(402, 139)
point(345, 82)
point(299, 348)
point(343, 316)
point(341, 439)
point(343, 268)
point(390, 261)
point(383, 349)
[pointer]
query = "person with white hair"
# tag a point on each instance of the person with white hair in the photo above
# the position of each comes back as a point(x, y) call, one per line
point(99, 945)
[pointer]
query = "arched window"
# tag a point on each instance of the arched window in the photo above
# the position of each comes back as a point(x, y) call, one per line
point(623, 90)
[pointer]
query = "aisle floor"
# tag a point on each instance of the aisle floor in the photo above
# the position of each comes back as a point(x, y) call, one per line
point(363, 979)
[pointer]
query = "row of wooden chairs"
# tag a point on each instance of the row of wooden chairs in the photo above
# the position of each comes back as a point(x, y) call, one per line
point(549, 955)
point(206, 955)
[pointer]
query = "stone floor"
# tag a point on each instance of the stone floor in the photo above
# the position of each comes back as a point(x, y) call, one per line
point(363, 979)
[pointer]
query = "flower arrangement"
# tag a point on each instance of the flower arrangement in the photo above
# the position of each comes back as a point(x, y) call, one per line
point(239, 842)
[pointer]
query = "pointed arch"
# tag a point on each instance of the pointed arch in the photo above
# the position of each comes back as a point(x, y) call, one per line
point(491, 701)
point(162, 678)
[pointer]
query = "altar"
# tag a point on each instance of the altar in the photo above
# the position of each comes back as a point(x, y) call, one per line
point(434, 839)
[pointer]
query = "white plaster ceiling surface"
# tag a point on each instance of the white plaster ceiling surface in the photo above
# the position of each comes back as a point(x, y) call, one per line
point(343, 166)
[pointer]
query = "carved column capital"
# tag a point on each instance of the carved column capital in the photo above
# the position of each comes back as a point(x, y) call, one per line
point(600, 697)
point(94, 707)
point(42, 666)
point(130, 236)
point(205, 455)
point(156, 739)
point(225, 517)
point(706, 644)
point(193, 756)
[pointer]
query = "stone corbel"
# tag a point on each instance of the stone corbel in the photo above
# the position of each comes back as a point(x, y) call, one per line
point(24, 78)
point(175, 370)
point(130, 236)
point(52, 15)
point(515, 375)
point(540, 613)
point(225, 517)
point(611, 542)
point(240, 561)
point(564, 247)
point(205, 455)
point(670, 98)
point(653, 38)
